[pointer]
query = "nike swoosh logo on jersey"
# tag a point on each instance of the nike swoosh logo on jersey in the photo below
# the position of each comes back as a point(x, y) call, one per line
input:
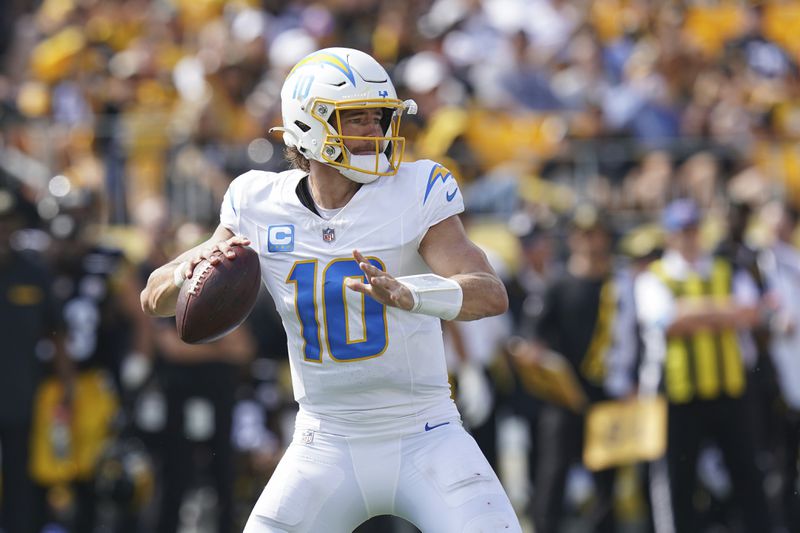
point(428, 427)
point(451, 195)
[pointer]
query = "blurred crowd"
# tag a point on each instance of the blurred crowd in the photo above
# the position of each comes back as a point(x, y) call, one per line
point(571, 126)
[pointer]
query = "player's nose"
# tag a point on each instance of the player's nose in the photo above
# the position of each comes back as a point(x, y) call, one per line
point(374, 130)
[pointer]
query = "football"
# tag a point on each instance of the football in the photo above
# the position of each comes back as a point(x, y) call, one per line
point(218, 298)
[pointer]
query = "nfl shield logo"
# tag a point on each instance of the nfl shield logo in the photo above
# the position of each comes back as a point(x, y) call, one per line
point(328, 235)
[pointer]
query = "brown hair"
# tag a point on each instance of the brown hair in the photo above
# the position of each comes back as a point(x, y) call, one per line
point(296, 159)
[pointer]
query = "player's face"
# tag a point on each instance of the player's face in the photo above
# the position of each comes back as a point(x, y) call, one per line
point(361, 123)
point(594, 242)
point(687, 241)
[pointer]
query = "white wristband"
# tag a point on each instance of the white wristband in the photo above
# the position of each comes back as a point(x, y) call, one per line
point(177, 275)
point(434, 295)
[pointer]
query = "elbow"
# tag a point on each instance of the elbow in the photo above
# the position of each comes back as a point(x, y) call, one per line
point(502, 303)
point(498, 303)
point(493, 301)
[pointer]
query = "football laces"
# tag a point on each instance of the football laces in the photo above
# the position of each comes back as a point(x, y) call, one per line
point(198, 278)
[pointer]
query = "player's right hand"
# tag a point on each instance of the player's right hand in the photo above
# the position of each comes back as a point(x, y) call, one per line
point(380, 285)
point(213, 253)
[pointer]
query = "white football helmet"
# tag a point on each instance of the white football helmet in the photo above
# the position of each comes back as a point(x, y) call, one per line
point(319, 88)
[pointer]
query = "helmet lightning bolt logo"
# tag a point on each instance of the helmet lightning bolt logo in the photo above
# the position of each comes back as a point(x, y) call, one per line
point(437, 172)
point(326, 58)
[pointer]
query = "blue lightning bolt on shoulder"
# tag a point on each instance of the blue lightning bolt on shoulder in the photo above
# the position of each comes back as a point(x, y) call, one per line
point(437, 172)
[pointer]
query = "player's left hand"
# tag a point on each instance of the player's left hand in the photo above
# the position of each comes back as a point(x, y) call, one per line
point(380, 285)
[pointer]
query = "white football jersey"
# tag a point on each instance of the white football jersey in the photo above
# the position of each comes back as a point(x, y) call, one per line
point(356, 365)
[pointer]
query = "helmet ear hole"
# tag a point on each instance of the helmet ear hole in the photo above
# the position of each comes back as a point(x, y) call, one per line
point(302, 125)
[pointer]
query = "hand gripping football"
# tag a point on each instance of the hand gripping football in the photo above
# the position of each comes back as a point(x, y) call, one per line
point(218, 298)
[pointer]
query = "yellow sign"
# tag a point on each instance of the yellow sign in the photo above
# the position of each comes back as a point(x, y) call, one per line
point(551, 378)
point(624, 432)
point(94, 404)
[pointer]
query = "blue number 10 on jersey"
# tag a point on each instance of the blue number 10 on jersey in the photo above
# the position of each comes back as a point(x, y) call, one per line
point(339, 343)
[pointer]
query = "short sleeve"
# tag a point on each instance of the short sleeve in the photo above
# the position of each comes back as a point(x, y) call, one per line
point(655, 304)
point(230, 212)
point(441, 195)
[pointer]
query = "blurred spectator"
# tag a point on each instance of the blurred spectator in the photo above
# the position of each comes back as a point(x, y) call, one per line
point(527, 85)
point(144, 88)
point(692, 309)
point(474, 350)
point(781, 264)
point(104, 327)
point(199, 384)
point(526, 295)
point(539, 267)
point(762, 388)
point(587, 318)
point(734, 247)
point(756, 51)
point(30, 329)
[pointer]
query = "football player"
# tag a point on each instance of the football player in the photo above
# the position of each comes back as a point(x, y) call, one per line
point(363, 254)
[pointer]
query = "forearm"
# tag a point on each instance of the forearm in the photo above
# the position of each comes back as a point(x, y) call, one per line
point(462, 284)
point(161, 294)
point(483, 295)
point(689, 323)
point(714, 317)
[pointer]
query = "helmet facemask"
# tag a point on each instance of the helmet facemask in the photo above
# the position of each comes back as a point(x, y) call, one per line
point(388, 148)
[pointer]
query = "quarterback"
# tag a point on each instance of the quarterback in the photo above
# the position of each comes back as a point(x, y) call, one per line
point(364, 255)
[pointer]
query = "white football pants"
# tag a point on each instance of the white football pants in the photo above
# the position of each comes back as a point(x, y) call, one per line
point(437, 479)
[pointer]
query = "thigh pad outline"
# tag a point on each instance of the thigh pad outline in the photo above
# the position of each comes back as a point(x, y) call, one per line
point(457, 468)
point(298, 489)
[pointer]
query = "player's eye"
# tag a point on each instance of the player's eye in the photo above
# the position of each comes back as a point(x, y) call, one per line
point(366, 119)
